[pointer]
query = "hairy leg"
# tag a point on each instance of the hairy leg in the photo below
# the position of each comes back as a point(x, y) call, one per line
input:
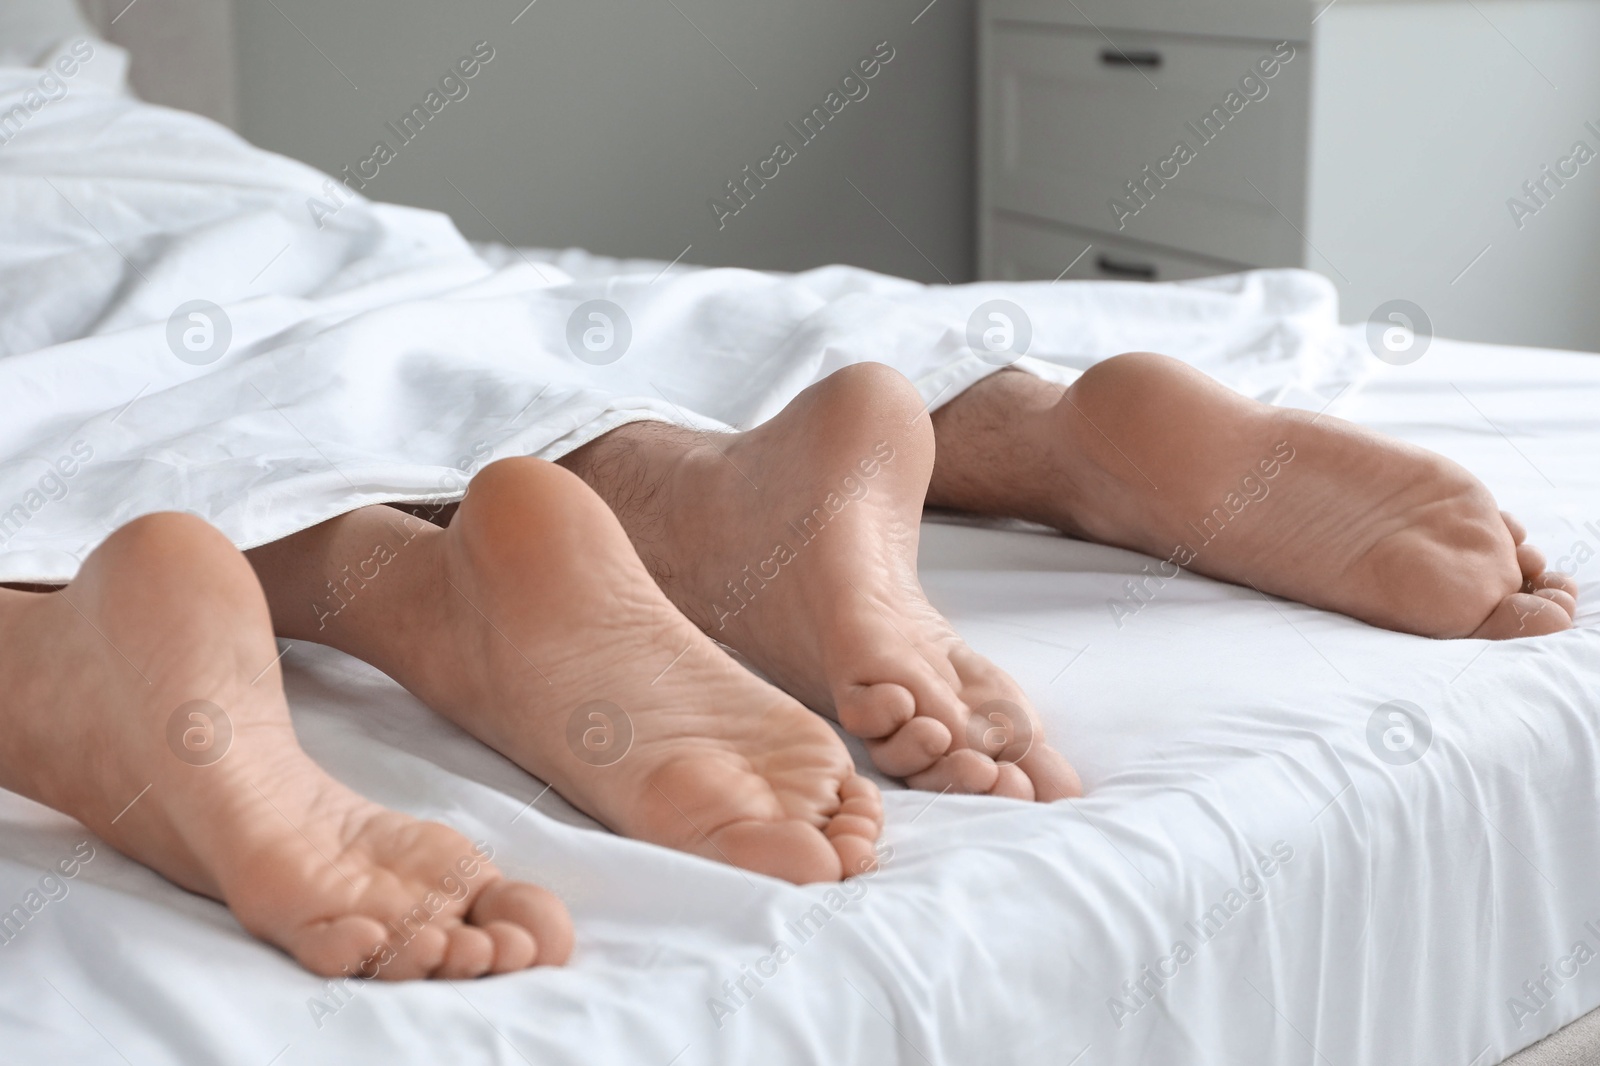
point(144, 699)
point(796, 544)
point(531, 623)
point(1147, 453)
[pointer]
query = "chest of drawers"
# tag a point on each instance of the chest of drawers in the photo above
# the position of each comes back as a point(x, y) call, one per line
point(1377, 142)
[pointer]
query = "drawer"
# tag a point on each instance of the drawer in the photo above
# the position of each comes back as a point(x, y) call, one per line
point(1017, 249)
point(1267, 20)
point(1070, 121)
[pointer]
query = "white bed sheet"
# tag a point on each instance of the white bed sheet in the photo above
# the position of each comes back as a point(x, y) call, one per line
point(1209, 727)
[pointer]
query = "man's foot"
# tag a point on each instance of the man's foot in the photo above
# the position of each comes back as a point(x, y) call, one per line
point(531, 623)
point(796, 544)
point(144, 700)
point(1147, 453)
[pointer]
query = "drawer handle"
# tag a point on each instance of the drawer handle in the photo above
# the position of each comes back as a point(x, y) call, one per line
point(1116, 57)
point(1125, 269)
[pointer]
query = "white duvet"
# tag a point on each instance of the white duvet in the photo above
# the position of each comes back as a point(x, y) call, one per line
point(185, 326)
point(1259, 873)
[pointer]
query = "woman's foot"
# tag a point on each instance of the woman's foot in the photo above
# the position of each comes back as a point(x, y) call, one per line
point(144, 700)
point(1147, 453)
point(531, 623)
point(796, 544)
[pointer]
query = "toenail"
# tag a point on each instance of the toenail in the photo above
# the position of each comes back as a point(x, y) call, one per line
point(199, 732)
point(599, 732)
point(1001, 730)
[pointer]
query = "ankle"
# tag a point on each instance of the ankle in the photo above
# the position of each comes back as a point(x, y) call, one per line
point(644, 471)
point(1000, 449)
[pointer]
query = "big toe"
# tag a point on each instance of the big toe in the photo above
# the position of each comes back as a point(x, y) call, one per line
point(1052, 775)
point(1525, 614)
point(1004, 726)
point(532, 909)
point(340, 945)
point(791, 850)
point(794, 850)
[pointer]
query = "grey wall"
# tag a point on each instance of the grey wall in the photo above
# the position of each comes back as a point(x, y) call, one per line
point(1429, 118)
point(180, 51)
point(609, 124)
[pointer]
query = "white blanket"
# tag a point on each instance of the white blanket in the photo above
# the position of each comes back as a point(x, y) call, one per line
point(349, 353)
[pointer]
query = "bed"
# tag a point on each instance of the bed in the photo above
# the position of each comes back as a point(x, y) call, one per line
point(1340, 901)
point(1304, 840)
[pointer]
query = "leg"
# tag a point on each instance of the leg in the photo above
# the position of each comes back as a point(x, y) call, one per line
point(796, 544)
point(1147, 453)
point(531, 623)
point(97, 677)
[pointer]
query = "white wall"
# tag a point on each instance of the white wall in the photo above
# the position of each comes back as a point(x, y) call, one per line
point(610, 123)
point(1430, 116)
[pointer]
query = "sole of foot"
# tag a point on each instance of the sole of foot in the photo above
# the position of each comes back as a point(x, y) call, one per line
point(531, 623)
point(144, 700)
point(796, 544)
point(1147, 453)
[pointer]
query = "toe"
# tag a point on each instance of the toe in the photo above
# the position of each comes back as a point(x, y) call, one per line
point(1554, 579)
point(791, 850)
point(1052, 775)
point(1560, 598)
point(531, 908)
point(327, 948)
point(1519, 532)
point(1003, 729)
point(415, 958)
point(861, 804)
point(1530, 561)
point(1012, 783)
point(1523, 614)
point(875, 711)
point(963, 770)
point(856, 855)
point(912, 749)
point(469, 954)
point(1007, 729)
point(860, 796)
point(857, 825)
point(514, 947)
point(852, 825)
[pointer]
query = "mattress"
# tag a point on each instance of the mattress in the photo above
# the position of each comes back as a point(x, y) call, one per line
point(1267, 866)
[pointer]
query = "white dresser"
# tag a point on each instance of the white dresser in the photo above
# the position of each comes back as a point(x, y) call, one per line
point(1377, 142)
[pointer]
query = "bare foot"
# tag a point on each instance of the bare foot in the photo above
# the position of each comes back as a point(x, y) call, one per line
point(144, 700)
point(796, 544)
point(1148, 453)
point(532, 624)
